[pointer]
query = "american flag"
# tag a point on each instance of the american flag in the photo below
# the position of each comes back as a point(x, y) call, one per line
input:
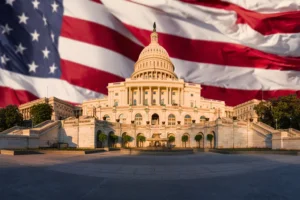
point(238, 50)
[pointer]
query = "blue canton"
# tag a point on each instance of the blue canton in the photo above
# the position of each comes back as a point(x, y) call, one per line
point(29, 32)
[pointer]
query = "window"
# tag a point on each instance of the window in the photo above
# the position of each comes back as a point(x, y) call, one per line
point(134, 92)
point(154, 101)
point(171, 120)
point(116, 103)
point(162, 101)
point(192, 104)
point(146, 102)
point(162, 93)
point(173, 93)
point(192, 95)
point(146, 92)
point(187, 120)
point(154, 92)
point(134, 102)
point(138, 119)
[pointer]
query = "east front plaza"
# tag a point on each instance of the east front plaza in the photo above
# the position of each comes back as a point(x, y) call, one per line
point(112, 175)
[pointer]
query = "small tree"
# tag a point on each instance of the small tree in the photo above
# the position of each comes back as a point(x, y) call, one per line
point(9, 117)
point(184, 139)
point(210, 138)
point(40, 113)
point(141, 139)
point(126, 139)
point(114, 139)
point(102, 138)
point(198, 138)
point(171, 139)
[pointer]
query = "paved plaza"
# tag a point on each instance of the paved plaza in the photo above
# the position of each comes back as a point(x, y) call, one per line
point(112, 175)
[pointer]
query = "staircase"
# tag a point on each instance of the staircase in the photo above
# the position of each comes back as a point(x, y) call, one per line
point(263, 128)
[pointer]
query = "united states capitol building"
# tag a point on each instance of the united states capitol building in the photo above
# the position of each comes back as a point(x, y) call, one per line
point(156, 104)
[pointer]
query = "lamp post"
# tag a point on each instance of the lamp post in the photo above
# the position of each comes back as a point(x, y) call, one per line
point(290, 122)
point(276, 124)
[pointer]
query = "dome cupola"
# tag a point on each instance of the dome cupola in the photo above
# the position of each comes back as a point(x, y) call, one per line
point(154, 61)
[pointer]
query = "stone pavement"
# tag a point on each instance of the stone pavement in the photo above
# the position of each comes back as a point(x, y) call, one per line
point(112, 175)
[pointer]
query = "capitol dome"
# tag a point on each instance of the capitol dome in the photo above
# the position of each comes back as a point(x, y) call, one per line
point(154, 62)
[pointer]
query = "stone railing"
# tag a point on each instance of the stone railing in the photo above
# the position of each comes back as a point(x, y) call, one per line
point(10, 130)
point(40, 130)
point(43, 123)
point(265, 126)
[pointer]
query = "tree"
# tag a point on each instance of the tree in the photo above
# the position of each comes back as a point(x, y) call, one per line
point(113, 138)
point(40, 113)
point(126, 139)
point(284, 110)
point(141, 138)
point(184, 139)
point(102, 138)
point(9, 117)
point(210, 138)
point(198, 138)
point(171, 139)
point(2, 120)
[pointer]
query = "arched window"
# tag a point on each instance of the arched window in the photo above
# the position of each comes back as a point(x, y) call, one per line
point(138, 119)
point(107, 117)
point(187, 120)
point(171, 120)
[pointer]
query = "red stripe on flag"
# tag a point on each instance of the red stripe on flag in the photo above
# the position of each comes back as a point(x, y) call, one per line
point(266, 24)
point(87, 77)
point(225, 54)
point(99, 35)
point(16, 97)
point(233, 97)
point(220, 53)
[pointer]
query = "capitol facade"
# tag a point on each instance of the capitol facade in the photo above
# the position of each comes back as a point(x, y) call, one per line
point(153, 104)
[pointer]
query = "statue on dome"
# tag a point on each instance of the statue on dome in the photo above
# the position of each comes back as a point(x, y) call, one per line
point(154, 27)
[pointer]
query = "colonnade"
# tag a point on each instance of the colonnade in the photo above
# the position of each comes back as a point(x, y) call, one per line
point(26, 113)
point(140, 96)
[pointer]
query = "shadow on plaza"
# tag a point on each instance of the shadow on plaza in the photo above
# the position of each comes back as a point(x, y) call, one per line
point(38, 182)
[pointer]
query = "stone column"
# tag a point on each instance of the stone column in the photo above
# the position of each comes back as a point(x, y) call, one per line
point(150, 95)
point(159, 98)
point(178, 96)
point(130, 96)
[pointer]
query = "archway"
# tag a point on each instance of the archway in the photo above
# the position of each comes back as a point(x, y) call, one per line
point(155, 119)
point(201, 142)
point(187, 142)
point(140, 140)
point(171, 140)
point(110, 139)
point(214, 139)
point(99, 144)
point(123, 142)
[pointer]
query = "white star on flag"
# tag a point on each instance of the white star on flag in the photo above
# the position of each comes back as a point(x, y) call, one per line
point(20, 49)
point(35, 4)
point(46, 53)
point(54, 6)
point(52, 69)
point(10, 2)
point(6, 29)
point(32, 67)
point(35, 36)
point(23, 18)
point(4, 59)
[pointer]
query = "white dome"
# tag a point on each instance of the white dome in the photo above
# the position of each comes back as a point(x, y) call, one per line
point(154, 62)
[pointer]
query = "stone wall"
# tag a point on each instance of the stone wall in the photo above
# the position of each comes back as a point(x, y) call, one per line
point(49, 137)
point(18, 142)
